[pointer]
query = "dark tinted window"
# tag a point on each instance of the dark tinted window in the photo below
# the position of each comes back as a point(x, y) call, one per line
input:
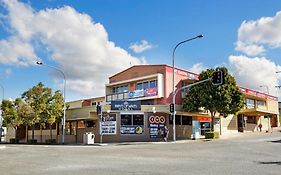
point(138, 120)
point(126, 119)
point(186, 120)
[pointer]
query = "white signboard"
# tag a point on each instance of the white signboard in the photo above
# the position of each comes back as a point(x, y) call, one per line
point(108, 124)
point(108, 127)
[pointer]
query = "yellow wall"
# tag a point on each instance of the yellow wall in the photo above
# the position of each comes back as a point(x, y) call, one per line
point(229, 125)
point(272, 106)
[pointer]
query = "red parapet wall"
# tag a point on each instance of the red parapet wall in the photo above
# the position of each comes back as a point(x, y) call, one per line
point(257, 94)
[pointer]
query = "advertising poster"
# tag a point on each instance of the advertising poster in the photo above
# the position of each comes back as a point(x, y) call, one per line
point(156, 125)
point(131, 129)
point(108, 124)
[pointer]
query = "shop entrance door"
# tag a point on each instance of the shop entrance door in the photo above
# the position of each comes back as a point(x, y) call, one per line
point(274, 121)
point(241, 123)
point(205, 127)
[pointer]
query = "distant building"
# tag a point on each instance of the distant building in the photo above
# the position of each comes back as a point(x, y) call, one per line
point(260, 108)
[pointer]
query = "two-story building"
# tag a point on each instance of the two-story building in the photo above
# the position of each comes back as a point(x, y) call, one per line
point(260, 108)
point(136, 108)
point(140, 97)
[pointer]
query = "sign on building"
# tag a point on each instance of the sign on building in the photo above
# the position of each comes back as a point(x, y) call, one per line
point(156, 125)
point(126, 105)
point(108, 124)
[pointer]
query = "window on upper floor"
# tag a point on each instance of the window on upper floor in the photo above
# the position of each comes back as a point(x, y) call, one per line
point(153, 83)
point(261, 103)
point(146, 84)
point(250, 103)
point(186, 90)
point(120, 89)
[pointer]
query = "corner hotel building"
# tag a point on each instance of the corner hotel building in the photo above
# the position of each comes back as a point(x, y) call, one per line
point(136, 107)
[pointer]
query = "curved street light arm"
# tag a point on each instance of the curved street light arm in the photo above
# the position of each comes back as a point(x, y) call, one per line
point(174, 99)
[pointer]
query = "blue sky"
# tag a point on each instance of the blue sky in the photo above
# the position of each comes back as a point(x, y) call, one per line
point(91, 40)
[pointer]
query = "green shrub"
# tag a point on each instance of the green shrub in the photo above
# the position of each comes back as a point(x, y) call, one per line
point(13, 140)
point(212, 135)
point(51, 141)
point(32, 141)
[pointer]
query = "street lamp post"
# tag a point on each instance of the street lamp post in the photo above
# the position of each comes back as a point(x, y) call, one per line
point(265, 87)
point(2, 92)
point(1, 113)
point(64, 88)
point(174, 99)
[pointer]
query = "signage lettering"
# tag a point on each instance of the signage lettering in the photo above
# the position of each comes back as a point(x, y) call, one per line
point(257, 94)
point(156, 125)
point(126, 105)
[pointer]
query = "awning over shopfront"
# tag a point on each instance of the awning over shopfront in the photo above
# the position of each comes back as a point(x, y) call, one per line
point(257, 112)
point(198, 116)
point(82, 114)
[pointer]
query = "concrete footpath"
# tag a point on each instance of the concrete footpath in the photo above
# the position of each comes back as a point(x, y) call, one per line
point(251, 134)
point(222, 137)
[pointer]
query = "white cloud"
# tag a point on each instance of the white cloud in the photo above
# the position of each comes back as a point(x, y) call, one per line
point(254, 72)
point(7, 72)
point(251, 50)
point(254, 35)
point(79, 45)
point(15, 51)
point(197, 68)
point(141, 47)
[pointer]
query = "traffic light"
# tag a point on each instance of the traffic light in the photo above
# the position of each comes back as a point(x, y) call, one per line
point(172, 108)
point(98, 109)
point(217, 78)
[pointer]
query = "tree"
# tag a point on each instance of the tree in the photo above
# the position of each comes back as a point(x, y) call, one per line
point(225, 99)
point(55, 110)
point(37, 98)
point(11, 117)
point(26, 113)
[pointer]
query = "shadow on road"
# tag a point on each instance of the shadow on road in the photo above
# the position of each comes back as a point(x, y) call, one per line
point(276, 141)
point(271, 163)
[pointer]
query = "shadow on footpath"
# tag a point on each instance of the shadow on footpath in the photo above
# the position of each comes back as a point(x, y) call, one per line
point(270, 163)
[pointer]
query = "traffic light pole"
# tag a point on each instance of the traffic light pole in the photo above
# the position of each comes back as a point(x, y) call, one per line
point(101, 120)
point(174, 99)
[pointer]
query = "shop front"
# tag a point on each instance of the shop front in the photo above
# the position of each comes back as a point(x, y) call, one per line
point(205, 124)
point(200, 125)
point(250, 121)
point(126, 122)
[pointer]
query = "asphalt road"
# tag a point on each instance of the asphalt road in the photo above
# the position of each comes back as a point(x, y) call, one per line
point(255, 154)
